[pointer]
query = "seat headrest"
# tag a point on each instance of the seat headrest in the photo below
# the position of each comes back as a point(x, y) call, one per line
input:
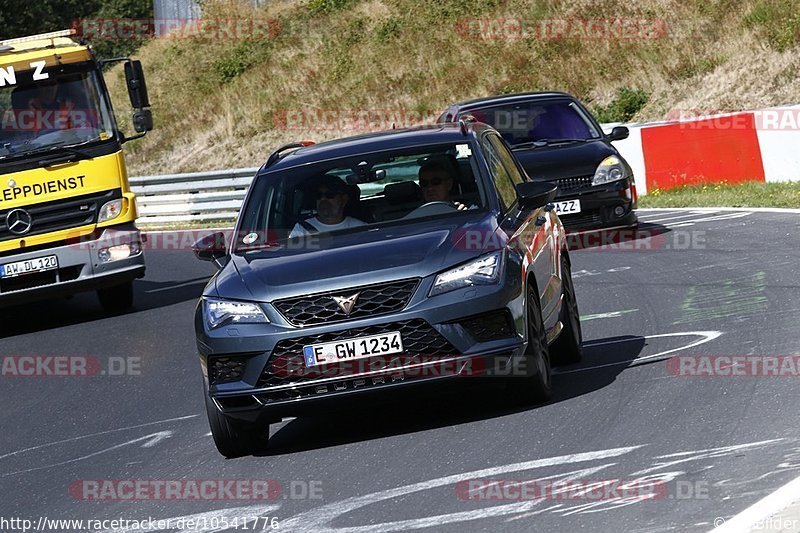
point(402, 192)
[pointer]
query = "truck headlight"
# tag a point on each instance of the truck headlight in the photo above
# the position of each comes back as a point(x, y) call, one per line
point(110, 210)
point(482, 271)
point(219, 312)
point(610, 169)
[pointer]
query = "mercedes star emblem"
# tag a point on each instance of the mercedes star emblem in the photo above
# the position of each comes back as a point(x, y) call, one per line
point(19, 221)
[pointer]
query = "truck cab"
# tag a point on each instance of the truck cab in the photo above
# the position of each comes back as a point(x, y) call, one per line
point(67, 213)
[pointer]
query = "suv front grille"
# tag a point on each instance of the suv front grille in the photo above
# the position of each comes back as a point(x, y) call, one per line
point(59, 214)
point(420, 341)
point(574, 184)
point(372, 300)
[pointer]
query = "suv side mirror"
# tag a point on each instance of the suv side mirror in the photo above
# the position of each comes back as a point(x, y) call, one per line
point(618, 133)
point(137, 88)
point(533, 194)
point(211, 248)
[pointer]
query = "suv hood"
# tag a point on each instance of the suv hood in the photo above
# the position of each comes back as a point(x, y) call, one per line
point(348, 260)
point(548, 163)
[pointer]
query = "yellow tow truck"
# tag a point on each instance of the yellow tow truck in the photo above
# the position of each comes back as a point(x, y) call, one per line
point(66, 209)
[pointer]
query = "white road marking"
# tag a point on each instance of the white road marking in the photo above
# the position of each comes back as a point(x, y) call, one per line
point(707, 337)
point(672, 217)
point(785, 210)
point(73, 439)
point(610, 314)
point(177, 286)
point(320, 519)
point(724, 216)
point(151, 440)
point(763, 509)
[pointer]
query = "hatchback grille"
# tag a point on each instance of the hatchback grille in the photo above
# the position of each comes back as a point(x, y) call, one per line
point(59, 214)
point(574, 184)
point(420, 342)
point(372, 300)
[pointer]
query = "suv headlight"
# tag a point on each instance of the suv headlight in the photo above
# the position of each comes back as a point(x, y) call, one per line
point(220, 312)
point(110, 210)
point(610, 169)
point(482, 271)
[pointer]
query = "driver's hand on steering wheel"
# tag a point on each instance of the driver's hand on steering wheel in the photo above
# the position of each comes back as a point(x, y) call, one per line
point(460, 206)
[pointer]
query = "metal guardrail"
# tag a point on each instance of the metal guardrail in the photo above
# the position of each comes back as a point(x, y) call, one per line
point(194, 197)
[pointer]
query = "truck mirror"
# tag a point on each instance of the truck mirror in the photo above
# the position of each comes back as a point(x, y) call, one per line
point(142, 120)
point(137, 88)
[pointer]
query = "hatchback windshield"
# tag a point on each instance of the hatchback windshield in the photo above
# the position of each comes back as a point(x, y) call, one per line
point(65, 109)
point(356, 193)
point(537, 121)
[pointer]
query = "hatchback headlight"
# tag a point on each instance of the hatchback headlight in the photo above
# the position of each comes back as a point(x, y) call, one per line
point(220, 312)
point(610, 169)
point(482, 271)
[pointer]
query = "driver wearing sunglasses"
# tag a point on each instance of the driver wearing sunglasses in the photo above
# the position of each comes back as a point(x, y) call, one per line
point(331, 197)
point(436, 182)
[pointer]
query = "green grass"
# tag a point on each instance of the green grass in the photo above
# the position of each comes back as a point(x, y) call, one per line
point(751, 194)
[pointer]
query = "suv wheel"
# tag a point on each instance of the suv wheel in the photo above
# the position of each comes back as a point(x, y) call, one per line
point(568, 348)
point(536, 386)
point(234, 438)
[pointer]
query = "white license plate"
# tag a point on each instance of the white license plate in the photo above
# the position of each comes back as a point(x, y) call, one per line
point(568, 207)
point(29, 266)
point(352, 349)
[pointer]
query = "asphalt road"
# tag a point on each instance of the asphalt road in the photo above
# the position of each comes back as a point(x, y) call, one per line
point(707, 284)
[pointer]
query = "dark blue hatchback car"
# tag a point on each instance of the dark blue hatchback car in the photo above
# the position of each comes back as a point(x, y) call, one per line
point(379, 262)
point(557, 140)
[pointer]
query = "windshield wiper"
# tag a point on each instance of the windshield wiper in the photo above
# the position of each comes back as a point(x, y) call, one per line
point(72, 149)
point(547, 142)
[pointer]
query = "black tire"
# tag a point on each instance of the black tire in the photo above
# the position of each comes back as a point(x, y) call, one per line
point(234, 438)
point(536, 385)
point(117, 298)
point(568, 347)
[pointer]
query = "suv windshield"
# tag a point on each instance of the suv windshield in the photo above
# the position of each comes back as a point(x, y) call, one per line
point(538, 121)
point(356, 193)
point(67, 108)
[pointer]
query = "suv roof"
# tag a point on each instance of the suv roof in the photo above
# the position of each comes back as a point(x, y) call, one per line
point(377, 142)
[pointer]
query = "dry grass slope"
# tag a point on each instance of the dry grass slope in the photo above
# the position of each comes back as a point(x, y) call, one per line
point(216, 102)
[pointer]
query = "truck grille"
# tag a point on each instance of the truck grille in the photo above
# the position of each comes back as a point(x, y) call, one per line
point(372, 300)
point(420, 341)
point(59, 214)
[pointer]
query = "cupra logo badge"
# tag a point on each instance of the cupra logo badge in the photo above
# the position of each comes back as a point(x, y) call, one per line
point(346, 303)
point(19, 221)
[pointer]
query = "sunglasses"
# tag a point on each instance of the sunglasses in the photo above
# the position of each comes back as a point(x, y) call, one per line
point(433, 182)
point(327, 194)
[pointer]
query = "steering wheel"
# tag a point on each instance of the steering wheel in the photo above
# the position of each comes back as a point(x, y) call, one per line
point(437, 207)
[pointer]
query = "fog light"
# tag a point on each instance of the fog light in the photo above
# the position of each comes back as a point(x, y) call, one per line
point(619, 211)
point(121, 251)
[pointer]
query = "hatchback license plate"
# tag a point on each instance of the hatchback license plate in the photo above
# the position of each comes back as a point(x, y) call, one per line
point(568, 207)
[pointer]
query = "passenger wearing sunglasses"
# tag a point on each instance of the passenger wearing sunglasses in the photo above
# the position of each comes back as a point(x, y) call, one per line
point(436, 182)
point(332, 195)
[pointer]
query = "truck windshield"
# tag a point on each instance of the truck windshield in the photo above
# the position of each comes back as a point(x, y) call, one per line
point(68, 108)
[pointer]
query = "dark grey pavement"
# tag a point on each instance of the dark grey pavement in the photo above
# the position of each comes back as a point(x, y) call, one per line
point(706, 284)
